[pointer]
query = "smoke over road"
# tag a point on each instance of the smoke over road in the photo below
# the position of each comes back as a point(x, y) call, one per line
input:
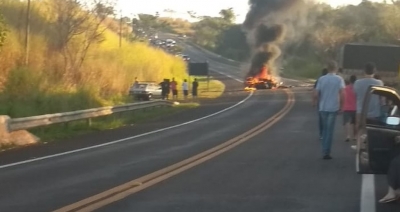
point(265, 29)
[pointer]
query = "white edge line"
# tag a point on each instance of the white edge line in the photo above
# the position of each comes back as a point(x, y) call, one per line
point(129, 138)
point(367, 202)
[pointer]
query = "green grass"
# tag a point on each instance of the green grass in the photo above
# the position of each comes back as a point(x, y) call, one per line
point(54, 133)
point(61, 131)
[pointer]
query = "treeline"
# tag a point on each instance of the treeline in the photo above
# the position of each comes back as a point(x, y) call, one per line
point(75, 58)
point(318, 37)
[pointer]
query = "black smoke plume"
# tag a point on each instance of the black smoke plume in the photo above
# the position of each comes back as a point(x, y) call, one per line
point(265, 56)
point(269, 34)
point(265, 29)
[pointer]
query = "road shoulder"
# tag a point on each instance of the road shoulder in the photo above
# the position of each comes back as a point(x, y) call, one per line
point(229, 97)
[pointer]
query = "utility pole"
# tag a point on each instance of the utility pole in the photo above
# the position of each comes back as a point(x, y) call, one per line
point(120, 30)
point(27, 31)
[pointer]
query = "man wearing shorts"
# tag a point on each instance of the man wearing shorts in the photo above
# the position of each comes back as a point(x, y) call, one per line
point(349, 109)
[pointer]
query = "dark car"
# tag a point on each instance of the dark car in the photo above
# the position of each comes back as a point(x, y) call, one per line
point(378, 139)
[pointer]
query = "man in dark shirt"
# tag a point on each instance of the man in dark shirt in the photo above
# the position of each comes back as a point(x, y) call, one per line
point(195, 86)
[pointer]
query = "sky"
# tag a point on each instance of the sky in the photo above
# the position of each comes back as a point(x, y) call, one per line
point(201, 7)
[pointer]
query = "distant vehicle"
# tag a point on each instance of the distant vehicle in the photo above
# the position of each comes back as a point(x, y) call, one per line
point(186, 58)
point(159, 42)
point(170, 43)
point(145, 91)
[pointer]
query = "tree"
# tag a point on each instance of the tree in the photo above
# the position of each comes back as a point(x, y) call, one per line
point(390, 21)
point(330, 39)
point(208, 31)
point(228, 15)
point(232, 43)
point(79, 26)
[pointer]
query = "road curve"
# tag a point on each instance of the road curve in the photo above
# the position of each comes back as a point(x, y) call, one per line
point(53, 182)
point(279, 170)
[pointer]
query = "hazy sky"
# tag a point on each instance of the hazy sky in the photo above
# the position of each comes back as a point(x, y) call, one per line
point(201, 7)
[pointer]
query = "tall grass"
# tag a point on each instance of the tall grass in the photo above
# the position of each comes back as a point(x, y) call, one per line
point(41, 87)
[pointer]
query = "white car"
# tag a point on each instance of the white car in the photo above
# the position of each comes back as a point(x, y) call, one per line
point(145, 90)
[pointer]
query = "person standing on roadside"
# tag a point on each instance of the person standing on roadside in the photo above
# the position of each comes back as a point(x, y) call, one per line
point(323, 73)
point(174, 89)
point(349, 109)
point(164, 89)
point(360, 89)
point(329, 95)
point(185, 88)
point(195, 87)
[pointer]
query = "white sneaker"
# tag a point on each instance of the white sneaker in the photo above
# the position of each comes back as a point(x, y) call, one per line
point(354, 147)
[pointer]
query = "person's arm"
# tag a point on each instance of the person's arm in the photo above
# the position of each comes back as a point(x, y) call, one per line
point(316, 94)
point(341, 93)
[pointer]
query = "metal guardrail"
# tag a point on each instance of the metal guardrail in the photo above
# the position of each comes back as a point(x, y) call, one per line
point(15, 124)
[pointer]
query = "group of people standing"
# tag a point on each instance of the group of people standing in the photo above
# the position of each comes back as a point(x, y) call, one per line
point(167, 87)
point(333, 96)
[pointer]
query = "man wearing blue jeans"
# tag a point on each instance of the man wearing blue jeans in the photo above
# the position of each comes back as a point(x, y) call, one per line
point(323, 73)
point(329, 94)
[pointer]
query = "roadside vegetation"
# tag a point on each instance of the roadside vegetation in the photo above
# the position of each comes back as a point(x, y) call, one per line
point(54, 133)
point(76, 62)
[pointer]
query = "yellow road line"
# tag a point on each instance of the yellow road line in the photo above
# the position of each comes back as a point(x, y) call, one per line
point(120, 192)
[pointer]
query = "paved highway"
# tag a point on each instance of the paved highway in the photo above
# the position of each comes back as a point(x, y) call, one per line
point(265, 156)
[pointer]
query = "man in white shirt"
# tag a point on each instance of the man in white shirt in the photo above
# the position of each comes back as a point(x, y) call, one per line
point(185, 88)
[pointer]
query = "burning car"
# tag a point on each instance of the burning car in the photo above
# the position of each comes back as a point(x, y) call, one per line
point(263, 80)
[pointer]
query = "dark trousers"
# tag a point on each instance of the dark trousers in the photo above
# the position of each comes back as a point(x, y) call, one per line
point(393, 175)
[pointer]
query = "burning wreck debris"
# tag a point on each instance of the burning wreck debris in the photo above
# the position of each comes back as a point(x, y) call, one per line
point(265, 30)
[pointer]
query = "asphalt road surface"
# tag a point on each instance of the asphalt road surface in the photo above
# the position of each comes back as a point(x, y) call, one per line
point(280, 169)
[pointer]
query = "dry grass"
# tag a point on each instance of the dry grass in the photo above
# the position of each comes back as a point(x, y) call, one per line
point(43, 88)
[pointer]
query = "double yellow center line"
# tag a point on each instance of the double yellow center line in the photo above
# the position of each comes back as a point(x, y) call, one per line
point(120, 192)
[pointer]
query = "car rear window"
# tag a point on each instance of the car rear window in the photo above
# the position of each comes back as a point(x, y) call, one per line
point(141, 85)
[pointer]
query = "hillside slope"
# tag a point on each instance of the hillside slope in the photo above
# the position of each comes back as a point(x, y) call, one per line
point(55, 80)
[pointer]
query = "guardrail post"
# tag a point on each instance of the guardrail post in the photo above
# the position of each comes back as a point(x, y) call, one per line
point(4, 130)
point(89, 122)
